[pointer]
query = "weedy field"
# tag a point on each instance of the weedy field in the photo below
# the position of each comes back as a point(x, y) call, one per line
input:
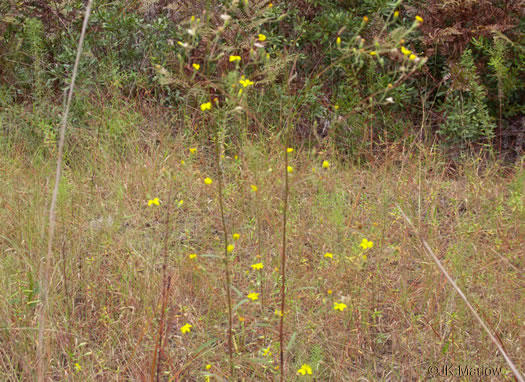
point(138, 273)
point(250, 191)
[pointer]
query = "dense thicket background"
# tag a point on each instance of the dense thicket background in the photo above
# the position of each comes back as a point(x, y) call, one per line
point(469, 93)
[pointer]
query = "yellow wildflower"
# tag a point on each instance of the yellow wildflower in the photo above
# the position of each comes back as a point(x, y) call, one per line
point(208, 181)
point(261, 37)
point(365, 244)
point(258, 266)
point(373, 53)
point(206, 106)
point(405, 51)
point(230, 248)
point(181, 202)
point(235, 58)
point(289, 150)
point(339, 306)
point(329, 255)
point(192, 256)
point(193, 150)
point(253, 296)
point(305, 369)
point(155, 201)
point(246, 83)
point(419, 19)
point(236, 236)
point(267, 351)
point(270, 5)
point(326, 164)
point(186, 328)
point(365, 19)
point(329, 291)
point(412, 57)
point(338, 40)
point(396, 14)
point(289, 169)
point(196, 66)
point(254, 187)
point(278, 312)
point(78, 368)
point(336, 107)
point(208, 367)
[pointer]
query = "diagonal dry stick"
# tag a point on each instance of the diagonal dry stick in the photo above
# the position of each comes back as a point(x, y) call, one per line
point(432, 255)
point(45, 268)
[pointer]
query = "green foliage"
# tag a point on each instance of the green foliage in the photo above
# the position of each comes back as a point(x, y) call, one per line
point(466, 113)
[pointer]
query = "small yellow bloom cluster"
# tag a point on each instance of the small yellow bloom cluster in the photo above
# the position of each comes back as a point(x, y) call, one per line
point(245, 82)
point(365, 244)
point(192, 256)
point(230, 248)
point(193, 150)
point(196, 66)
point(155, 201)
point(186, 328)
point(258, 266)
point(261, 37)
point(206, 106)
point(326, 164)
point(253, 296)
point(329, 255)
point(305, 369)
point(236, 236)
point(339, 306)
point(208, 181)
point(235, 58)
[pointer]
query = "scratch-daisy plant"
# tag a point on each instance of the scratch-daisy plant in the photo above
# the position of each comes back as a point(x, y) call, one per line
point(253, 296)
point(339, 306)
point(154, 201)
point(365, 244)
point(193, 150)
point(305, 370)
point(186, 328)
point(258, 266)
point(206, 106)
point(230, 248)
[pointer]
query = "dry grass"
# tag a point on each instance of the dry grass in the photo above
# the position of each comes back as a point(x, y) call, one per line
point(401, 315)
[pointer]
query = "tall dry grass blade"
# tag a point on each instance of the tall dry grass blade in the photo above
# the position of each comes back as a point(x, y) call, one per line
point(45, 268)
point(513, 367)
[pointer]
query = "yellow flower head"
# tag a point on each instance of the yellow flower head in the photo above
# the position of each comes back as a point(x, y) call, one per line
point(181, 202)
point(390, 86)
point(193, 150)
point(278, 313)
point(208, 181)
point(329, 291)
point(405, 51)
point(258, 266)
point(365, 19)
point(336, 107)
point(155, 201)
point(230, 248)
point(270, 5)
point(419, 19)
point(206, 106)
point(254, 188)
point(396, 14)
point(339, 306)
point(289, 150)
point(253, 296)
point(412, 57)
point(329, 255)
point(289, 169)
point(186, 328)
point(373, 53)
point(192, 255)
point(236, 236)
point(208, 367)
point(326, 164)
point(261, 37)
point(196, 66)
point(267, 351)
point(365, 244)
point(338, 40)
point(305, 369)
point(235, 58)
point(78, 368)
point(246, 83)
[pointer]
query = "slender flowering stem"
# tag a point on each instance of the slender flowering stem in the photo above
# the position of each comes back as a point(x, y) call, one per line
point(226, 254)
point(283, 267)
